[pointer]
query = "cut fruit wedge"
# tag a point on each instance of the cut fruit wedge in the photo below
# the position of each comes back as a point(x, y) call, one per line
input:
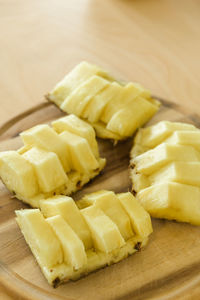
point(76, 126)
point(73, 248)
point(165, 171)
point(115, 109)
point(109, 203)
point(66, 207)
point(78, 100)
point(172, 201)
point(76, 77)
point(53, 161)
point(57, 239)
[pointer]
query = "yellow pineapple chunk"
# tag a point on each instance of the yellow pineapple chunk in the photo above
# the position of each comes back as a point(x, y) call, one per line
point(108, 202)
point(104, 231)
point(173, 201)
point(46, 138)
point(96, 107)
point(79, 127)
point(73, 248)
point(123, 99)
point(49, 171)
point(57, 243)
point(40, 237)
point(156, 134)
point(179, 171)
point(78, 100)
point(104, 102)
point(104, 133)
point(185, 138)
point(154, 159)
point(126, 120)
point(71, 81)
point(66, 207)
point(82, 158)
point(18, 174)
point(140, 219)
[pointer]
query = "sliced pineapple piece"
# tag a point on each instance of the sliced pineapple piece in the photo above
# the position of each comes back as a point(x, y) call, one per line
point(96, 107)
point(45, 137)
point(173, 201)
point(185, 138)
point(104, 133)
point(105, 233)
point(71, 81)
point(126, 120)
point(78, 100)
point(73, 248)
point(76, 126)
point(108, 105)
point(40, 237)
point(73, 260)
point(108, 202)
point(179, 171)
point(82, 158)
point(18, 174)
point(154, 159)
point(140, 219)
point(124, 98)
point(154, 135)
point(66, 207)
point(49, 171)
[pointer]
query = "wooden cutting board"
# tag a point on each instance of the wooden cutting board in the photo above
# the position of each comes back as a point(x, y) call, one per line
point(167, 268)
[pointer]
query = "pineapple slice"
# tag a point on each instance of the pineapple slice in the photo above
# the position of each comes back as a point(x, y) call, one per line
point(73, 248)
point(113, 108)
point(18, 174)
point(52, 161)
point(45, 137)
point(174, 201)
point(82, 158)
point(154, 135)
point(66, 207)
point(108, 202)
point(78, 100)
point(95, 109)
point(126, 120)
point(104, 133)
point(187, 138)
point(140, 219)
point(154, 159)
point(76, 126)
point(76, 77)
point(179, 171)
point(49, 171)
point(167, 170)
point(124, 98)
point(56, 241)
point(105, 233)
point(40, 237)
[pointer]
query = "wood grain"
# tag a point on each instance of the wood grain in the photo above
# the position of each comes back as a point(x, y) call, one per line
point(153, 42)
point(168, 268)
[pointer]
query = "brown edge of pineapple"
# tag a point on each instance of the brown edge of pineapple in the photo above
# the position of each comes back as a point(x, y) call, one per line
point(78, 183)
point(137, 247)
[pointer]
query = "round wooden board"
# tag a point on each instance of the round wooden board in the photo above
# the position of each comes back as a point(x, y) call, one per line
point(167, 268)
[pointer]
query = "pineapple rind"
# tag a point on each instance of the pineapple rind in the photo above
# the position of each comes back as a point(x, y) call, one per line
point(96, 260)
point(76, 181)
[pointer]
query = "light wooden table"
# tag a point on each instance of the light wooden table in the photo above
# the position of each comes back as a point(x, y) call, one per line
point(155, 42)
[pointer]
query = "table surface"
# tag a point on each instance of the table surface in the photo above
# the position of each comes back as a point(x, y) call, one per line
point(156, 43)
